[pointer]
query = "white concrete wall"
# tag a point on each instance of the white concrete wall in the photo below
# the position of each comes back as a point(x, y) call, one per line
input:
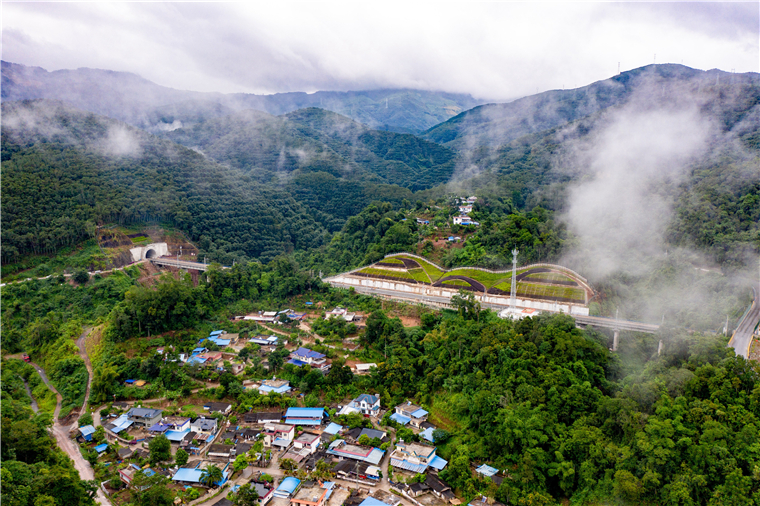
point(406, 288)
point(138, 253)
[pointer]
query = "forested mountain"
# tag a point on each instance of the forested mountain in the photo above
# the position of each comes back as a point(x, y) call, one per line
point(497, 124)
point(142, 103)
point(64, 171)
point(714, 191)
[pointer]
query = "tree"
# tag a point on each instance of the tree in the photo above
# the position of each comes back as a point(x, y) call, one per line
point(85, 419)
point(180, 458)
point(440, 436)
point(151, 490)
point(81, 277)
point(160, 449)
point(211, 475)
point(241, 462)
point(288, 464)
point(466, 305)
point(246, 496)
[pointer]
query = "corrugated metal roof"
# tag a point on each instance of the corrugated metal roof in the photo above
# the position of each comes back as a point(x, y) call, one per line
point(403, 420)
point(438, 463)
point(87, 430)
point(487, 470)
point(289, 485)
point(333, 428)
point(307, 353)
point(403, 464)
point(303, 421)
point(305, 412)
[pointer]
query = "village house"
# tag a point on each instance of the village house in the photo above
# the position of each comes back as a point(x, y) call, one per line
point(365, 404)
point(262, 417)
point(464, 221)
point(305, 416)
point(409, 413)
point(218, 407)
point(178, 423)
point(362, 369)
point(341, 449)
point(220, 451)
point(278, 434)
point(305, 356)
point(416, 458)
point(144, 417)
point(308, 441)
point(312, 494)
point(274, 385)
point(203, 425)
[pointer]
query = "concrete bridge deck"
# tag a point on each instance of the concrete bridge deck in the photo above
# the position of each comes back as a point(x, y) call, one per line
point(179, 264)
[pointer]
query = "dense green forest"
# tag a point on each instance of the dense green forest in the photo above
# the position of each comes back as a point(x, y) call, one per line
point(325, 161)
point(66, 171)
point(34, 471)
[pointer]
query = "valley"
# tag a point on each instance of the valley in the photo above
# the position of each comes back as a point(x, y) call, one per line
point(435, 301)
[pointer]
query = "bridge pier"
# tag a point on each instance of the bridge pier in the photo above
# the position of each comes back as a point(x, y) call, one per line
point(615, 339)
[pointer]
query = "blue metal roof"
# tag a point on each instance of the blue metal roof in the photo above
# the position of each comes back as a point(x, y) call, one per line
point(487, 470)
point(101, 448)
point(438, 463)
point(400, 419)
point(217, 332)
point(289, 485)
point(369, 399)
point(420, 412)
point(428, 434)
point(303, 421)
point(87, 430)
point(307, 353)
point(305, 412)
point(404, 464)
point(371, 501)
point(333, 428)
point(279, 390)
point(176, 435)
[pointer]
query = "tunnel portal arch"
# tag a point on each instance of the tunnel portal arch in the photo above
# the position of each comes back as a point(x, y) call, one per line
point(151, 253)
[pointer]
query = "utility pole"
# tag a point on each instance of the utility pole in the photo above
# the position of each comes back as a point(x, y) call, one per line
point(513, 289)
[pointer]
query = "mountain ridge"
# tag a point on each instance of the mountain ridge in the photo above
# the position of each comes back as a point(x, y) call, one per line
point(140, 102)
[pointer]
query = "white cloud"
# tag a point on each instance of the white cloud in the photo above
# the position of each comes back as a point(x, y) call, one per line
point(492, 50)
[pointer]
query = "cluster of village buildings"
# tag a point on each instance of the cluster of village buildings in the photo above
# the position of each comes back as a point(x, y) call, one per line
point(465, 208)
point(303, 435)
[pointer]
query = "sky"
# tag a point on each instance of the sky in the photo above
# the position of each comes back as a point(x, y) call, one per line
point(491, 50)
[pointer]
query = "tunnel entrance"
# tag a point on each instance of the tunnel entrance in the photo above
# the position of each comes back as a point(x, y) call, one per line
point(151, 253)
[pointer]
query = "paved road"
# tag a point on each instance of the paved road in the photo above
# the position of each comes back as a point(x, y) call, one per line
point(742, 338)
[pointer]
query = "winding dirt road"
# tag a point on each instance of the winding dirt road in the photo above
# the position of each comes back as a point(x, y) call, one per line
point(61, 432)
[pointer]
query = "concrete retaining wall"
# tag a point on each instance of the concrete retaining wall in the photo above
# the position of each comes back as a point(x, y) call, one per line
point(406, 289)
point(154, 250)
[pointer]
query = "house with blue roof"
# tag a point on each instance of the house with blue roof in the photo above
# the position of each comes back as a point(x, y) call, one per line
point(87, 431)
point(416, 457)
point(410, 413)
point(305, 416)
point(287, 488)
point(274, 385)
point(193, 476)
point(365, 404)
point(305, 356)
